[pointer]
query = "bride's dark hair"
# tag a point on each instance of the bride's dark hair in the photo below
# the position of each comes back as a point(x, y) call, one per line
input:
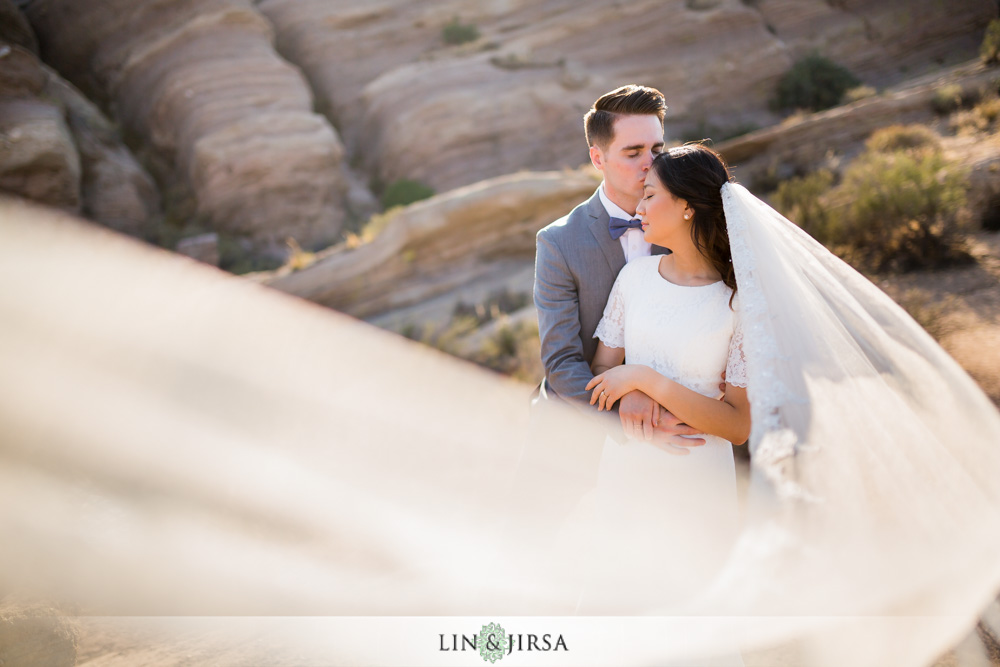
point(696, 174)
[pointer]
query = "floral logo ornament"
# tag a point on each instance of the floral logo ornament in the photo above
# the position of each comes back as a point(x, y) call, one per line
point(492, 642)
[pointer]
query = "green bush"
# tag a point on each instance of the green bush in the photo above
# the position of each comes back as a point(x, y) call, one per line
point(457, 32)
point(404, 192)
point(513, 350)
point(947, 98)
point(898, 206)
point(859, 93)
point(815, 83)
point(903, 209)
point(902, 138)
point(990, 49)
point(803, 200)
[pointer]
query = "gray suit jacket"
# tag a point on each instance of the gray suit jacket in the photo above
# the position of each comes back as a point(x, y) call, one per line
point(576, 263)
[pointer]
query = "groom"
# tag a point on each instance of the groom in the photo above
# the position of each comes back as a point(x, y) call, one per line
point(578, 257)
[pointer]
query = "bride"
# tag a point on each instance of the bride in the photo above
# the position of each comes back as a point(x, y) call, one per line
point(674, 319)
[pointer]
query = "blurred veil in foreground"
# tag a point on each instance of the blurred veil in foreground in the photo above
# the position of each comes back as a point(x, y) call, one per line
point(178, 441)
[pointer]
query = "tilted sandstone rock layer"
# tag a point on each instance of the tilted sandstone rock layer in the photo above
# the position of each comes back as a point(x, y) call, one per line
point(411, 106)
point(882, 42)
point(58, 148)
point(200, 82)
point(38, 158)
point(439, 244)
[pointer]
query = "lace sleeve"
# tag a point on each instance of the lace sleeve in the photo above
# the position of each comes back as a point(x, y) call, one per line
point(611, 328)
point(736, 366)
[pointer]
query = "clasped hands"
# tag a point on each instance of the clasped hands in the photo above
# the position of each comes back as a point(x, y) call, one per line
point(642, 418)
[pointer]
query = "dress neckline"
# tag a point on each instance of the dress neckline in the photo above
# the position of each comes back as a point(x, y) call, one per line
point(670, 282)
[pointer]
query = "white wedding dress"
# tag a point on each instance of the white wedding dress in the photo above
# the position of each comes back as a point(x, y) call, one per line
point(689, 334)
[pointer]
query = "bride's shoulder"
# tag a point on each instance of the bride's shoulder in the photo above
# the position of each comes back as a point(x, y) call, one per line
point(642, 264)
point(634, 271)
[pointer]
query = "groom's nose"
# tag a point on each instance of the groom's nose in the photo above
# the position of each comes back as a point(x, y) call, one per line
point(648, 162)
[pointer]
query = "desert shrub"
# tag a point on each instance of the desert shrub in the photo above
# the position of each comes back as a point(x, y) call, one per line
point(947, 99)
point(236, 255)
point(989, 109)
point(968, 122)
point(456, 32)
point(404, 192)
point(859, 93)
point(990, 220)
point(815, 83)
point(514, 350)
point(989, 51)
point(802, 200)
point(373, 227)
point(902, 138)
point(903, 209)
point(701, 5)
point(979, 119)
point(497, 303)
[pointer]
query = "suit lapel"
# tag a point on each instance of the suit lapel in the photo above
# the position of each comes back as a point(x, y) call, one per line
point(611, 248)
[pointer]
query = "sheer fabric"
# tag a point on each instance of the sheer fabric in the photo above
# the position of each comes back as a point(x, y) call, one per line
point(179, 441)
point(881, 455)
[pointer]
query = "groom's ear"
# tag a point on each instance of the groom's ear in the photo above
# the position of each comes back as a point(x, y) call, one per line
point(597, 158)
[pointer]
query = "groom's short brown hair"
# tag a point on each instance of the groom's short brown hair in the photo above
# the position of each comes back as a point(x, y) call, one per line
point(599, 122)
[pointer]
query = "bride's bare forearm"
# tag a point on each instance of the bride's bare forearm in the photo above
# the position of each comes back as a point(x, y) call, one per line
point(700, 412)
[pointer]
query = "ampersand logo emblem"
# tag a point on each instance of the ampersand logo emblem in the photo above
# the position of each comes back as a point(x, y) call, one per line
point(492, 642)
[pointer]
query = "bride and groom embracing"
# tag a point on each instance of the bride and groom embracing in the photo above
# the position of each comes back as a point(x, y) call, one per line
point(672, 275)
point(642, 273)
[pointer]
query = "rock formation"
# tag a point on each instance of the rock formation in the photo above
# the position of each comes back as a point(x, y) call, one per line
point(411, 106)
point(33, 633)
point(200, 83)
point(438, 245)
point(58, 148)
point(39, 159)
point(801, 144)
point(881, 42)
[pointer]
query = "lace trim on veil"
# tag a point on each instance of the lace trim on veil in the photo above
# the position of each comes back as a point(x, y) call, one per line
point(773, 443)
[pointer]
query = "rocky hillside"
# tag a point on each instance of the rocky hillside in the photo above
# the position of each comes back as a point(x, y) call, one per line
point(409, 106)
point(57, 147)
point(236, 130)
point(446, 244)
point(214, 110)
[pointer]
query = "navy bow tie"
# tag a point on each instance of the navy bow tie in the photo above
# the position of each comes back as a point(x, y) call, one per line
point(618, 226)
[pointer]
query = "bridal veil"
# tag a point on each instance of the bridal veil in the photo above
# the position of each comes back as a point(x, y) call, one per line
point(179, 441)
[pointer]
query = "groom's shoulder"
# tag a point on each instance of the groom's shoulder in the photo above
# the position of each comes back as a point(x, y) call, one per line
point(570, 224)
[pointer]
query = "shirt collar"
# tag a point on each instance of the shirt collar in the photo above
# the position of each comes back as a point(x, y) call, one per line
point(613, 209)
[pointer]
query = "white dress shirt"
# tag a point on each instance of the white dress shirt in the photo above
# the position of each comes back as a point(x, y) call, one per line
point(632, 242)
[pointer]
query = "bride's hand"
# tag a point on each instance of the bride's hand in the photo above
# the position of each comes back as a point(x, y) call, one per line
point(612, 384)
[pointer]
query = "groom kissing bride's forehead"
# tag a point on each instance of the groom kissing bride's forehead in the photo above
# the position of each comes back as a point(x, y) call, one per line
point(579, 256)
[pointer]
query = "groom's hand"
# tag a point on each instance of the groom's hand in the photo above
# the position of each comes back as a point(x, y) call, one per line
point(668, 434)
point(639, 415)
